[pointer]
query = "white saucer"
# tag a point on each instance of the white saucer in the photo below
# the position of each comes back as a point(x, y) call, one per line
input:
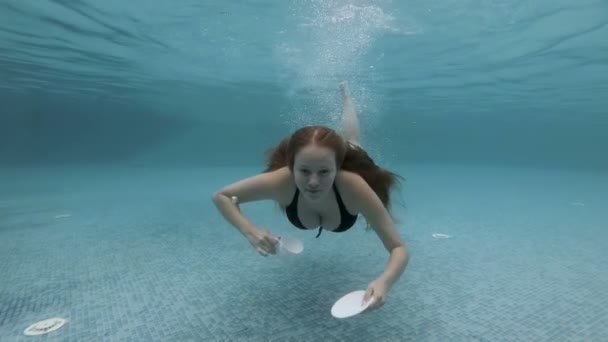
point(289, 245)
point(350, 305)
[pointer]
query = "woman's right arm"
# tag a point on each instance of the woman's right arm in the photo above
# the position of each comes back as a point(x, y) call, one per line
point(260, 187)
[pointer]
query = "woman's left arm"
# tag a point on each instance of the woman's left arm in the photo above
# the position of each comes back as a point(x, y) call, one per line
point(378, 217)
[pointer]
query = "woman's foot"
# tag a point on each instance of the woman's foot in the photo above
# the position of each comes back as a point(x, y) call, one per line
point(344, 90)
point(350, 123)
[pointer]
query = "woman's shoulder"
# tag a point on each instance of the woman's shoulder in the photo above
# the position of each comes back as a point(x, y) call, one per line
point(352, 188)
point(349, 182)
point(346, 176)
point(285, 183)
point(282, 177)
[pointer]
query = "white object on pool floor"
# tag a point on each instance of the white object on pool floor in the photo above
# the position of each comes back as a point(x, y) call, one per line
point(441, 236)
point(62, 216)
point(350, 305)
point(289, 245)
point(44, 327)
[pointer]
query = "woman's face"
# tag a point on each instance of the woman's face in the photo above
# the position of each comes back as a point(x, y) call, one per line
point(314, 171)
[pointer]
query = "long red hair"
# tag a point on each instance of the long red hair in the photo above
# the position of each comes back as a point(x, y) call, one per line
point(348, 157)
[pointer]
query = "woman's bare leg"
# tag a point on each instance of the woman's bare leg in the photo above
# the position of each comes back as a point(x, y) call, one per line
point(350, 122)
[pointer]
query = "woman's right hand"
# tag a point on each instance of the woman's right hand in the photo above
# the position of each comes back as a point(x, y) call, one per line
point(263, 241)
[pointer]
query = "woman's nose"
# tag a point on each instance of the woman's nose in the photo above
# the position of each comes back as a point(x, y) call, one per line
point(313, 181)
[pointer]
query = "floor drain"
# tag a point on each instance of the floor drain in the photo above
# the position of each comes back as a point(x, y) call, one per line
point(44, 327)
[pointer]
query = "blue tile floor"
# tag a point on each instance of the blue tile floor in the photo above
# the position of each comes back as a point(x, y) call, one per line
point(142, 255)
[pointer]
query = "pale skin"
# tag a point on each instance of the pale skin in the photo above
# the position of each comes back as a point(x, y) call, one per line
point(313, 174)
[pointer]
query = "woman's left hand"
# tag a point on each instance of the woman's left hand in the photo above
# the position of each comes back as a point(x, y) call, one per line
point(376, 291)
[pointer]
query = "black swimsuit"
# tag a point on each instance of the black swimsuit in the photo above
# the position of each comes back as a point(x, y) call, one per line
point(347, 219)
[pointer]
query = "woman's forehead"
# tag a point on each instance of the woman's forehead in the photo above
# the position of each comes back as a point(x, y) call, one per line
point(317, 156)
